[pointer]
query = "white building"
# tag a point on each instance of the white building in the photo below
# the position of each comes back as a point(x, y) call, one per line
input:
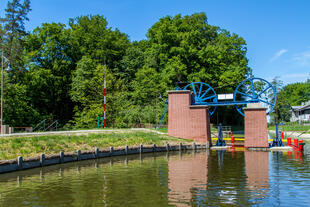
point(300, 113)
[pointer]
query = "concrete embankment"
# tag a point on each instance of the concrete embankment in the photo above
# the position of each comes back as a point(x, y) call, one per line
point(43, 160)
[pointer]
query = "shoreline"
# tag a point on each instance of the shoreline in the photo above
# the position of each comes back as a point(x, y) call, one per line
point(18, 164)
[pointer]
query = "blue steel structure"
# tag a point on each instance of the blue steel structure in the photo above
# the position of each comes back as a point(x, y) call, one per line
point(220, 141)
point(251, 90)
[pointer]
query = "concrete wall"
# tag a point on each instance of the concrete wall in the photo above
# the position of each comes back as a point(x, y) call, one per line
point(186, 120)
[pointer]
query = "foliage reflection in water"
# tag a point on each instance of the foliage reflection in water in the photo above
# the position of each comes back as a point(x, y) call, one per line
point(203, 178)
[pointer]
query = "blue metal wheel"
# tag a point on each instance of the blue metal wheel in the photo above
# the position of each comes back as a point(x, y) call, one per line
point(202, 94)
point(255, 90)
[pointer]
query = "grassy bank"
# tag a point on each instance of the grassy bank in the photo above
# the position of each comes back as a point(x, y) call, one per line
point(291, 127)
point(11, 147)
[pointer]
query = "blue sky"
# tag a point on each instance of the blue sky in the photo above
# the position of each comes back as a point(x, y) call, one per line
point(277, 32)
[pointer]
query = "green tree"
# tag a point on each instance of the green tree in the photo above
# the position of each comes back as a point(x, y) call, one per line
point(189, 49)
point(49, 54)
point(13, 34)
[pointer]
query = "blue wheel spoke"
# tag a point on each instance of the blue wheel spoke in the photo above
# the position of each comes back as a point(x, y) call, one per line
point(264, 91)
point(193, 85)
point(265, 102)
point(209, 97)
point(253, 89)
point(206, 92)
point(200, 90)
point(245, 94)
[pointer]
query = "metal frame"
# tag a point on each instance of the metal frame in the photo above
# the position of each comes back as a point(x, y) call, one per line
point(204, 94)
point(252, 96)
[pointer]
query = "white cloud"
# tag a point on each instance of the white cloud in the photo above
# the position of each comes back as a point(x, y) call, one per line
point(302, 59)
point(278, 54)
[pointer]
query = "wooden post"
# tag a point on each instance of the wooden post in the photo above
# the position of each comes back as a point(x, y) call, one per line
point(96, 152)
point(78, 153)
point(42, 158)
point(141, 148)
point(61, 157)
point(20, 162)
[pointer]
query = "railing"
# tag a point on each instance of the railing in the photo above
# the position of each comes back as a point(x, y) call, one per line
point(42, 126)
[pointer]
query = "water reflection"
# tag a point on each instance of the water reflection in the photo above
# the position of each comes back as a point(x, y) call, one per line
point(186, 173)
point(202, 178)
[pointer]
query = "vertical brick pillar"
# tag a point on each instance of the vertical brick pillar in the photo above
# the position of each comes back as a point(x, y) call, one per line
point(255, 126)
point(187, 121)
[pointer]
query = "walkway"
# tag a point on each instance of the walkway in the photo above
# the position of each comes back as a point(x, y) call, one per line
point(80, 132)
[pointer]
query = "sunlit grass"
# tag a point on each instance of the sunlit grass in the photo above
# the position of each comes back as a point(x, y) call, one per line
point(291, 127)
point(12, 147)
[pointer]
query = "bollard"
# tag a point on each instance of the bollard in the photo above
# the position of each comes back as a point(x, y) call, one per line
point(154, 148)
point(141, 148)
point(289, 140)
point(180, 146)
point(295, 142)
point(300, 145)
point(167, 147)
point(111, 150)
point(78, 154)
point(126, 150)
point(194, 146)
point(42, 158)
point(96, 152)
point(20, 162)
point(61, 157)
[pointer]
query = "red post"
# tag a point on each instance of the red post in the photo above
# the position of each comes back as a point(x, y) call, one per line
point(282, 135)
point(232, 139)
point(289, 141)
point(295, 142)
point(300, 145)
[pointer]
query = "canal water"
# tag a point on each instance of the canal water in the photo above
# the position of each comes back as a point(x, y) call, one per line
point(201, 178)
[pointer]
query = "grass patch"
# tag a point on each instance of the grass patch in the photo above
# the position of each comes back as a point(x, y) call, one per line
point(11, 147)
point(291, 127)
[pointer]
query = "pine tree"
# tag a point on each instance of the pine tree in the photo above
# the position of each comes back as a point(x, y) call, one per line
point(13, 33)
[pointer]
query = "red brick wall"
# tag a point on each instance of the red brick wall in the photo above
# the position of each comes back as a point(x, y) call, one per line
point(186, 121)
point(255, 127)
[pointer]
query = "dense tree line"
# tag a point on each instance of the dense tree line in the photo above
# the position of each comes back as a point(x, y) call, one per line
point(57, 70)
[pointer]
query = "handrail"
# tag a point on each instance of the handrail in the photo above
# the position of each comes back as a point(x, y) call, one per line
point(52, 125)
point(43, 121)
